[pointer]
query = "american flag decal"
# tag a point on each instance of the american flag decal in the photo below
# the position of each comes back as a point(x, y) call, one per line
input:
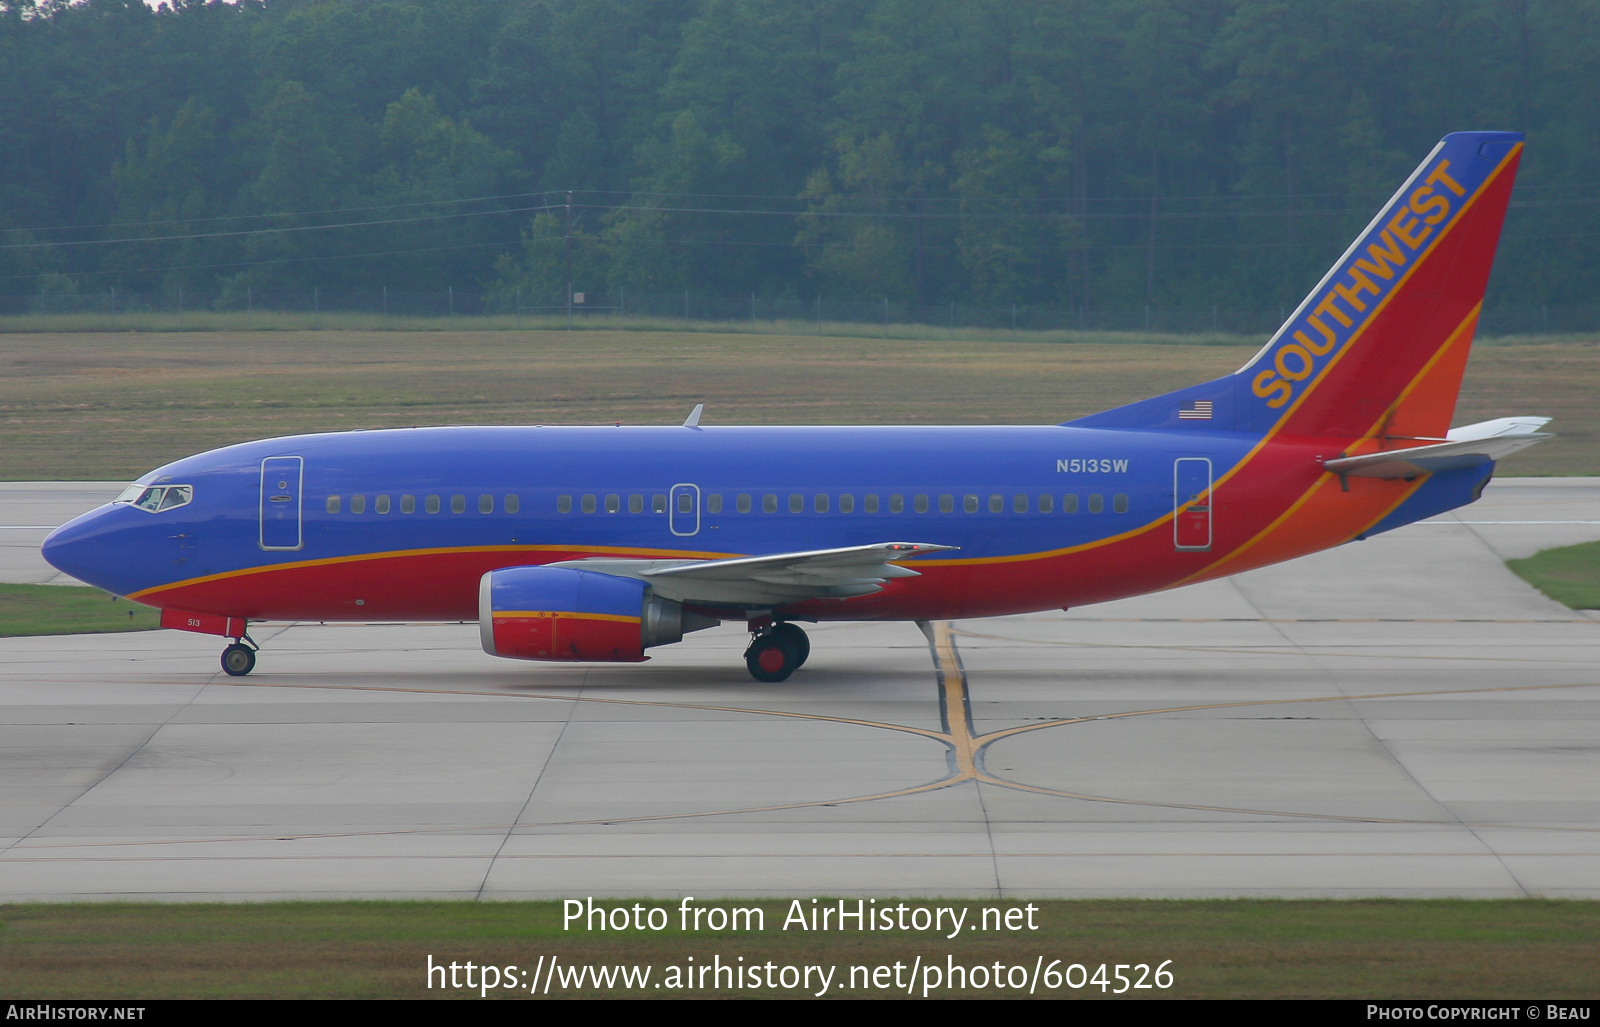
point(1200, 411)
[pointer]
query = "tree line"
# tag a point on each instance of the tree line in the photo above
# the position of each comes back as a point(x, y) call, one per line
point(1066, 153)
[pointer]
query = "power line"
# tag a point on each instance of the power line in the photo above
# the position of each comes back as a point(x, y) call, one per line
point(267, 231)
point(279, 214)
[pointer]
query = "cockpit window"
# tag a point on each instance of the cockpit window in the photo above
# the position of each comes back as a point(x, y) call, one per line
point(177, 495)
point(158, 497)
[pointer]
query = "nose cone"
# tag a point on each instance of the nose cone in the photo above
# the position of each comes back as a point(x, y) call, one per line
point(85, 548)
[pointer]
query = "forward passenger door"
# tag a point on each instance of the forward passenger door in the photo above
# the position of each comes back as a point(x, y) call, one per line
point(282, 481)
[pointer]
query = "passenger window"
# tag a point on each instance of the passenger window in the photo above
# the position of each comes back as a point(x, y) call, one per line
point(658, 503)
point(847, 503)
point(564, 504)
point(897, 503)
point(997, 504)
point(1019, 503)
point(431, 504)
point(333, 504)
point(1047, 504)
point(947, 503)
point(769, 503)
point(797, 502)
point(358, 504)
point(714, 503)
point(1119, 503)
point(1096, 503)
point(613, 504)
point(588, 504)
point(871, 503)
point(380, 504)
point(486, 504)
point(636, 503)
point(969, 503)
point(458, 504)
point(820, 502)
point(408, 504)
point(742, 504)
point(920, 504)
point(513, 504)
point(1069, 503)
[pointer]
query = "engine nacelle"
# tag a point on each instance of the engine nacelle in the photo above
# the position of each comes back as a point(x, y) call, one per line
point(557, 613)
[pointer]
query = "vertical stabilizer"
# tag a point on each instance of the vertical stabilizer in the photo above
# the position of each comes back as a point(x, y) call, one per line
point(1378, 348)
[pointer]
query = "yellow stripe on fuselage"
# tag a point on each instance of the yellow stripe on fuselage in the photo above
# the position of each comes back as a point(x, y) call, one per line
point(564, 615)
point(393, 554)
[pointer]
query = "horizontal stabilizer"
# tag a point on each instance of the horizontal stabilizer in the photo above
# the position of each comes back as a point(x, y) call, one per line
point(1464, 446)
point(768, 580)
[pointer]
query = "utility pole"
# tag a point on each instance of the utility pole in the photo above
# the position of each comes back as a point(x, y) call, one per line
point(1150, 251)
point(566, 246)
point(919, 275)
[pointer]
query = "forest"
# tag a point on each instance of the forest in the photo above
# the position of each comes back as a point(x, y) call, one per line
point(1072, 154)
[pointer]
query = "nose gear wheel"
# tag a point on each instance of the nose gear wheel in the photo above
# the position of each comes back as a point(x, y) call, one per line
point(238, 660)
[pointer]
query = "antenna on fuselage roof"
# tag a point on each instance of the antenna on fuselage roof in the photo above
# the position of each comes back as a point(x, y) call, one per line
point(693, 420)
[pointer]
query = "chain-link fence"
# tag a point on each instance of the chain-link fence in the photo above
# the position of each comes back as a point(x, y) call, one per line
point(690, 306)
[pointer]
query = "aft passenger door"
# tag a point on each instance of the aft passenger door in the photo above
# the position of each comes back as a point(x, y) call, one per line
point(282, 481)
point(1191, 504)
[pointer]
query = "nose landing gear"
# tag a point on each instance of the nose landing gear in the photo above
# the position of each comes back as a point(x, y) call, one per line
point(777, 652)
point(239, 659)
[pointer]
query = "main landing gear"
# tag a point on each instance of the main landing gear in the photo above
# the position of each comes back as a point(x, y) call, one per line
point(239, 659)
point(777, 651)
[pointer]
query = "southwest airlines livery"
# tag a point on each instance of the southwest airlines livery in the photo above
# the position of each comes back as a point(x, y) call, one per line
point(596, 543)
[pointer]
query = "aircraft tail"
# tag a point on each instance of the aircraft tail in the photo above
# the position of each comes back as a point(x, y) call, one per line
point(1377, 349)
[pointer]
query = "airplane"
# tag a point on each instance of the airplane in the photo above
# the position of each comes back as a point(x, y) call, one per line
point(597, 543)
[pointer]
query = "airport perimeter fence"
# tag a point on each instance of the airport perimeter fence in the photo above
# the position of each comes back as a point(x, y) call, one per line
point(689, 306)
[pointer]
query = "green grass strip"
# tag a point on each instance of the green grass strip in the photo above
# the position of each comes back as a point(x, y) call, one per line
point(271, 321)
point(1569, 575)
point(1217, 948)
point(68, 610)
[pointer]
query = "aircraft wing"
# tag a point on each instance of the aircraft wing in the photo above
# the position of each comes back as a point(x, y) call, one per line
point(769, 580)
point(1462, 446)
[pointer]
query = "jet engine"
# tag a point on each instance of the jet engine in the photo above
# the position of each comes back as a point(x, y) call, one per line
point(556, 613)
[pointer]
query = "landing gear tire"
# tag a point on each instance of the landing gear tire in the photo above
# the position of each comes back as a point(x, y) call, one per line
point(771, 657)
point(797, 638)
point(238, 660)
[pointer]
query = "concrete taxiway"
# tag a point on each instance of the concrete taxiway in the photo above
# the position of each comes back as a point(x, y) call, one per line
point(1399, 717)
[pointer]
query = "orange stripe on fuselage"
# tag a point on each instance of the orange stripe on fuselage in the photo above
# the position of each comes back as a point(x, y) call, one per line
point(1323, 517)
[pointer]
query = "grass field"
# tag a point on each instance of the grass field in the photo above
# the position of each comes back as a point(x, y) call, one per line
point(68, 610)
point(233, 321)
point(88, 405)
point(1218, 949)
point(1570, 574)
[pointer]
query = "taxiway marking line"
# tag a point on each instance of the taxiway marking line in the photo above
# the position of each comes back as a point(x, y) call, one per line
point(966, 746)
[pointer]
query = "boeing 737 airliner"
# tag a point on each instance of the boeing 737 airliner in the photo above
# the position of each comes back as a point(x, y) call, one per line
point(596, 543)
